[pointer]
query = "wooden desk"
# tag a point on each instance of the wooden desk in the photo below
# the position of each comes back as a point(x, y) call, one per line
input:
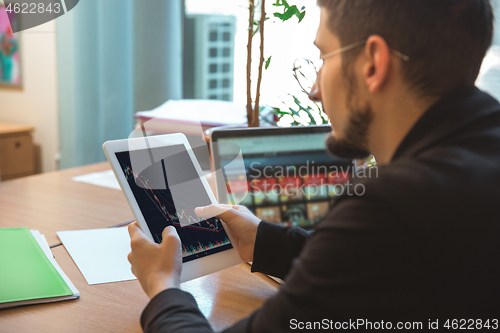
point(53, 202)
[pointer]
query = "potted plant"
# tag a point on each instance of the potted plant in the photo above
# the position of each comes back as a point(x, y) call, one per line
point(254, 27)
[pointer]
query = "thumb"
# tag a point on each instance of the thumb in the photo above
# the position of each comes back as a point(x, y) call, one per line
point(225, 213)
point(135, 231)
point(171, 242)
point(169, 231)
point(209, 211)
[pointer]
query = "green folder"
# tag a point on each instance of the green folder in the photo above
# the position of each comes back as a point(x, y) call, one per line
point(26, 274)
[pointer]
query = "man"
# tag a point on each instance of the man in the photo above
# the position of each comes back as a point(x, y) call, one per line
point(422, 242)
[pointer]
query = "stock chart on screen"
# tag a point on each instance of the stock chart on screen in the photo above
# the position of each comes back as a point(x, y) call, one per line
point(167, 193)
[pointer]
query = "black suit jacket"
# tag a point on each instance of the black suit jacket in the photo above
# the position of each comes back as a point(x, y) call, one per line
point(421, 243)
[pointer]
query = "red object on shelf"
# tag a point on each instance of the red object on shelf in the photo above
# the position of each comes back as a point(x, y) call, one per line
point(264, 184)
point(315, 179)
point(291, 181)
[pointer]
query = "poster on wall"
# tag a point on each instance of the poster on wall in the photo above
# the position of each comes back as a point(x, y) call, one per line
point(10, 64)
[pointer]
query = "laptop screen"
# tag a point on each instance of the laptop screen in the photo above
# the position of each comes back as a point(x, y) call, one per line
point(290, 177)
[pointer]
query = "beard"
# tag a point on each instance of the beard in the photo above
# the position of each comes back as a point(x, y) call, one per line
point(354, 144)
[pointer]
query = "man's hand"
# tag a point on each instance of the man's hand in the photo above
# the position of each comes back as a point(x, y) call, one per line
point(241, 222)
point(156, 266)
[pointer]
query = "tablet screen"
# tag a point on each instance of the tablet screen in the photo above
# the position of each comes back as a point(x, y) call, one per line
point(167, 192)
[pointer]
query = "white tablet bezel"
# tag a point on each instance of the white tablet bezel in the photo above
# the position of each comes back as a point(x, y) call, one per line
point(194, 268)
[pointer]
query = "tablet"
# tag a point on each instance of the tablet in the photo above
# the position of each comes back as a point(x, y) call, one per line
point(163, 184)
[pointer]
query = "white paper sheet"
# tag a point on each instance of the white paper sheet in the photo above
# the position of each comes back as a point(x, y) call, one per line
point(198, 111)
point(100, 254)
point(105, 179)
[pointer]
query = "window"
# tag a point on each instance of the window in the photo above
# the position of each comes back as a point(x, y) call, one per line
point(213, 52)
point(225, 97)
point(213, 68)
point(212, 84)
point(213, 36)
point(229, 19)
point(212, 97)
point(225, 83)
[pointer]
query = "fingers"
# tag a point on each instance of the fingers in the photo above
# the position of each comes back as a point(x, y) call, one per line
point(239, 208)
point(207, 212)
point(171, 243)
point(131, 260)
point(135, 232)
point(170, 231)
point(211, 181)
point(137, 238)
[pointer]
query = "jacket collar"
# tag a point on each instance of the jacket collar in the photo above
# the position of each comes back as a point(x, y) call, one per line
point(457, 109)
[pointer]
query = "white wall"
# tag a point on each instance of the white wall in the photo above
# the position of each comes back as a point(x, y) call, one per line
point(36, 103)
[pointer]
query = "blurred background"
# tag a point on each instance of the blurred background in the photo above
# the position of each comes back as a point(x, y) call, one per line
point(82, 78)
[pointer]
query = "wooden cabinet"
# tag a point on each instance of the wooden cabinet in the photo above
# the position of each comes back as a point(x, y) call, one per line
point(16, 151)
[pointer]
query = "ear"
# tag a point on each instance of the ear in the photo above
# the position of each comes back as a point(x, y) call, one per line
point(376, 68)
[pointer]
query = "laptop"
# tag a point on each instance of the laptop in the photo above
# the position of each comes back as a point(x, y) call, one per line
point(289, 177)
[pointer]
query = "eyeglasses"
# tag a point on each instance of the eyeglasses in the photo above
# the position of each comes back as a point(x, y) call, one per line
point(398, 54)
point(305, 72)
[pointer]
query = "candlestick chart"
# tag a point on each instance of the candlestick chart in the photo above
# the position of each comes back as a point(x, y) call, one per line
point(160, 208)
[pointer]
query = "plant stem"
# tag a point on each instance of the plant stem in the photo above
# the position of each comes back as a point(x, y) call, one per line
point(255, 116)
point(249, 62)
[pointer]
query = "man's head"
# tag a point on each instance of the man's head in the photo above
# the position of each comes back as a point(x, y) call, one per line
point(445, 40)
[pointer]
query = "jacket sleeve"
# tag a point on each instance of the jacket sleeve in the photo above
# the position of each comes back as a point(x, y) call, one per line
point(275, 248)
point(354, 266)
point(174, 310)
point(344, 271)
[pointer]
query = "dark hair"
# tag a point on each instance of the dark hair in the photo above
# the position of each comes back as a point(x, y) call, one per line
point(446, 40)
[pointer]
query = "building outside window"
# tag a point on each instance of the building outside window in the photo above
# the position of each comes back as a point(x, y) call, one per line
point(284, 43)
point(209, 56)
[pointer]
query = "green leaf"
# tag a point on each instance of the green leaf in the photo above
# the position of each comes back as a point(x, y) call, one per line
point(295, 113)
point(269, 121)
point(290, 12)
point(309, 114)
point(282, 3)
point(280, 16)
point(281, 112)
point(308, 110)
point(301, 15)
point(278, 111)
point(268, 61)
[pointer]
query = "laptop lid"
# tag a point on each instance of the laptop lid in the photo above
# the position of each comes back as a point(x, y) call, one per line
point(291, 179)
